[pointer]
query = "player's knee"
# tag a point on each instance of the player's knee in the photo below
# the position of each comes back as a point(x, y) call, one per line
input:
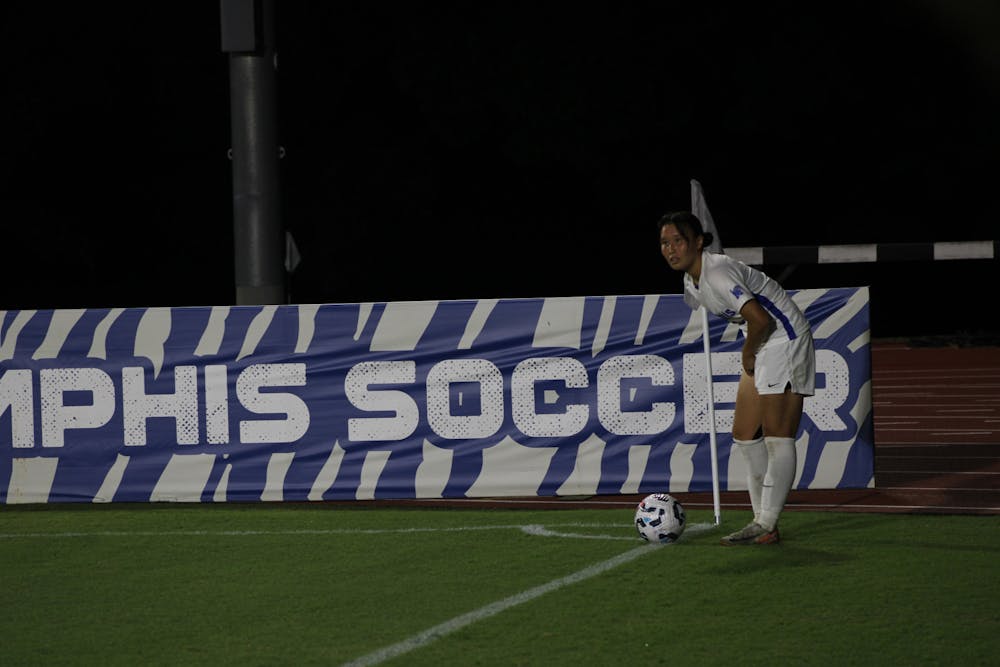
point(747, 433)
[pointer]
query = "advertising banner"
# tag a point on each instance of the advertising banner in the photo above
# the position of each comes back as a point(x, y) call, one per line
point(423, 399)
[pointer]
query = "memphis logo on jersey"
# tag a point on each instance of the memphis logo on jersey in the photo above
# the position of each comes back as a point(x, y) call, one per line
point(426, 399)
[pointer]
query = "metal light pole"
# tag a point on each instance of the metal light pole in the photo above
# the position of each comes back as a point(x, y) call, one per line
point(248, 36)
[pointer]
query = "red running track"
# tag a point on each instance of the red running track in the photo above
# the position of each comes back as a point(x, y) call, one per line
point(937, 428)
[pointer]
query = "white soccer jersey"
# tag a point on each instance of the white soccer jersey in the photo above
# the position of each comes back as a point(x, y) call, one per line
point(727, 284)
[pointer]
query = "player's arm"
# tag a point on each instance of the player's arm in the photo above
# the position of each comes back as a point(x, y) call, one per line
point(759, 328)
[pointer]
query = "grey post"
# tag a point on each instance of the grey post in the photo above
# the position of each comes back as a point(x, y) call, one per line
point(248, 36)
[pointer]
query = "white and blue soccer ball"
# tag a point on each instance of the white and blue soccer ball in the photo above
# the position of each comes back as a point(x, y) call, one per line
point(660, 518)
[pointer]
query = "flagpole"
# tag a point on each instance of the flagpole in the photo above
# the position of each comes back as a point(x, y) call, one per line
point(713, 444)
point(700, 208)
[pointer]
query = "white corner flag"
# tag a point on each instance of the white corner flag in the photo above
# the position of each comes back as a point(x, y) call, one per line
point(700, 209)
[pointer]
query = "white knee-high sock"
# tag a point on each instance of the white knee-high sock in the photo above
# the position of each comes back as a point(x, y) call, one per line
point(755, 454)
point(778, 479)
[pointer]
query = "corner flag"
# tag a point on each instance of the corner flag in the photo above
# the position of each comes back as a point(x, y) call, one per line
point(700, 209)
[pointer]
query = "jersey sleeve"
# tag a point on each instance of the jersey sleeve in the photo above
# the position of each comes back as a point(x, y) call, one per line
point(728, 285)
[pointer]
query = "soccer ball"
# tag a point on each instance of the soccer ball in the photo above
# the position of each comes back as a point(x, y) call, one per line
point(660, 519)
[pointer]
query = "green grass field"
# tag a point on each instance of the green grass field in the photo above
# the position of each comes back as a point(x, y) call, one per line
point(334, 584)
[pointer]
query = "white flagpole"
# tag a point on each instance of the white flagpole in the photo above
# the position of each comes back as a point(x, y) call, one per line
point(700, 208)
point(711, 416)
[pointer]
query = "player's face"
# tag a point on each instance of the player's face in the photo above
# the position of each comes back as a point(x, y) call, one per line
point(679, 253)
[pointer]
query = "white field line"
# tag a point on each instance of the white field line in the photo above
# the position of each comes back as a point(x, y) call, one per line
point(324, 531)
point(530, 529)
point(442, 629)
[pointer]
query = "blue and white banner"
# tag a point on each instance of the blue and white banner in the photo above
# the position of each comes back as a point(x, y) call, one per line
point(425, 399)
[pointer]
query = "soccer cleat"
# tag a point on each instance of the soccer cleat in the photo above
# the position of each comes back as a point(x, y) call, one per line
point(752, 533)
point(772, 537)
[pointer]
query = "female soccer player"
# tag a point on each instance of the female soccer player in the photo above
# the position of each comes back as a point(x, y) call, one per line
point(779, 364)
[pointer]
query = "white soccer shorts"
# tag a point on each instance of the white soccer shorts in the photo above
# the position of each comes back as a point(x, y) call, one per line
point(789, 362)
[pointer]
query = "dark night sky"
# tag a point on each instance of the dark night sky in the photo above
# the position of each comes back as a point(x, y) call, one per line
point(463, 150)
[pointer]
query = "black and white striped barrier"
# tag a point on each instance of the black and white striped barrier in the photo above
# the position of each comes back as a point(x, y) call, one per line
point(865, 252)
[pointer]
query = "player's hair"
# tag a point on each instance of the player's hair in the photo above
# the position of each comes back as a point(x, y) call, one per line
point(688, 225)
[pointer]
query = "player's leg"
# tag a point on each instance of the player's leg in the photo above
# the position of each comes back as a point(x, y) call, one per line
point(790, 372)
point(782, 413)
point(779, 410)
point(748, 438)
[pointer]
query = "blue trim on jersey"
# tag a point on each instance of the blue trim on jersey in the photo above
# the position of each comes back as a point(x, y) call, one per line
point(778, 315)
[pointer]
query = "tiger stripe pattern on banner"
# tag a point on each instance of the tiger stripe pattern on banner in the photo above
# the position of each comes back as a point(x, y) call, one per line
point(426, 399)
